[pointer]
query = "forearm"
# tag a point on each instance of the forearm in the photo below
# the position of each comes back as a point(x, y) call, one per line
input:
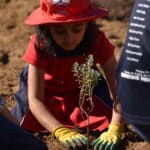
point(109, 71)
point(43, 115)
point(36, 96)
point(117, 116)
point(116, 109)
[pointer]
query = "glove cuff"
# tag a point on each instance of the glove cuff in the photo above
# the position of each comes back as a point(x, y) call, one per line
point(56, 128)
point(115, 127)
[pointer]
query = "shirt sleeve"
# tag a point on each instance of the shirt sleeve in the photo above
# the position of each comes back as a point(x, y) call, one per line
point(31, 56)
point(104, 49)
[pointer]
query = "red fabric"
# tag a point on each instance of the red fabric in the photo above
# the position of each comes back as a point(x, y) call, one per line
point(70, 11)
point(70, 114)
point(61, 89)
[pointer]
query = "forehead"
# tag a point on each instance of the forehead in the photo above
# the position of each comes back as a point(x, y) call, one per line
point(68, 25)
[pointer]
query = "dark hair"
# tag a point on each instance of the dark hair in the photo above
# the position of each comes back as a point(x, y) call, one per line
point(45, 44)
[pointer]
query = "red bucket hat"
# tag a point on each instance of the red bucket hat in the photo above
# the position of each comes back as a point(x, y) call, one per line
point(64, 11)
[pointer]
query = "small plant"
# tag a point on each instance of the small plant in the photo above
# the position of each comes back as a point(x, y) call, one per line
point(87, 79)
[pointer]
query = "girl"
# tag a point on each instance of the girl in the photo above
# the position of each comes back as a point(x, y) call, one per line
point(65, 34)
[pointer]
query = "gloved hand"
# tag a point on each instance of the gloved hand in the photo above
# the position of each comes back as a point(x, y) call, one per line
point(110, 139)
point(70, 138)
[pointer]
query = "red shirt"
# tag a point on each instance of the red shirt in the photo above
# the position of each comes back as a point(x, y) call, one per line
point(61, 87)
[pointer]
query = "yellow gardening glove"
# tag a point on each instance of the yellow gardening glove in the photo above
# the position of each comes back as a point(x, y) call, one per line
point(70, 138)
point(110, 139)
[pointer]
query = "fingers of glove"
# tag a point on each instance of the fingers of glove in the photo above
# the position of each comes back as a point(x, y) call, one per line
point(81, 141)
point(109, 138)
point(72, 144)
point(74, 141)
point(105, 145)
point(75, 144)
point(105, 137)
point(66, 135)
point(65, 144)
point(96, 144)
point(110, 144)
point(81, 138)
point(102, 140)
point(112, 139)
point(71, 135)
point(61, 132)
point(68, 143)
point(115, 145)
point(102, 145)
point(99, 144)
point(96, 141)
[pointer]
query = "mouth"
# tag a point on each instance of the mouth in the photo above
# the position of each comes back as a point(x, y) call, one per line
point(69, 47)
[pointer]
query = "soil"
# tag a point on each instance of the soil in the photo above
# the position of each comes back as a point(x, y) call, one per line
point(14, 36)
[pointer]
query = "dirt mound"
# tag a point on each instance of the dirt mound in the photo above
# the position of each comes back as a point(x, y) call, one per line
point(119, 9)
point(14, 36)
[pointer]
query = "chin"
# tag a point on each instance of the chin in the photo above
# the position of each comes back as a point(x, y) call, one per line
point(69, 49)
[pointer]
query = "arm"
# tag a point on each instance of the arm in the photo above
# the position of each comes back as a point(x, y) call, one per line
point(109, 71)
point(36, 97)
point(68, 137)
point(111, 138)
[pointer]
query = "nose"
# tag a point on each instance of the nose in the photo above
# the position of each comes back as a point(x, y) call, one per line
point(69, 36)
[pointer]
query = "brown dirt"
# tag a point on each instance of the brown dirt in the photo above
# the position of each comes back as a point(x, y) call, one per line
point(14, 36)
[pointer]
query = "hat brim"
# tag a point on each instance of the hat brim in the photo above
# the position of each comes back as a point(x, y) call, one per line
point(38, 17)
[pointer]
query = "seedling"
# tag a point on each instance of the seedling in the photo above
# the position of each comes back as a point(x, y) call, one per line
point(87, 78)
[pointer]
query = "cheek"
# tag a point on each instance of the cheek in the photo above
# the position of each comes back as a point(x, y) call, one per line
point(79, 37)
point(57, 38)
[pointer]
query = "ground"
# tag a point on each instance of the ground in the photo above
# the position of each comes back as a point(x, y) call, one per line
point(14, 36)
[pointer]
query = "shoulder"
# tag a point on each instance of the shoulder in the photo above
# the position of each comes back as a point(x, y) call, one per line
point(102, 41)
point(101, 36)
point(103, 49)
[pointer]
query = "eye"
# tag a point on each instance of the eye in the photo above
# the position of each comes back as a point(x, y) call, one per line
point(59, 32)
point(76, 30)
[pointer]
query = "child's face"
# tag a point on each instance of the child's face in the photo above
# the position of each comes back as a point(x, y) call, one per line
point(68, 36)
